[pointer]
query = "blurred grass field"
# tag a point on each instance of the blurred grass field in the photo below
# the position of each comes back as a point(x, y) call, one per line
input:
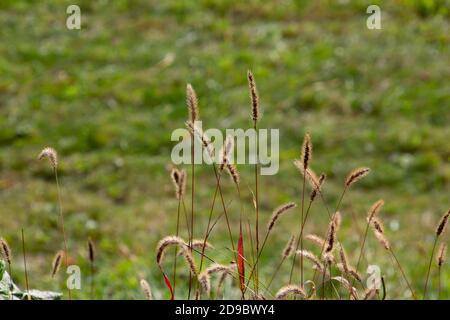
point(108, 96)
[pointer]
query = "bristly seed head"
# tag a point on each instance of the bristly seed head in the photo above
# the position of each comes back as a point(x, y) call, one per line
point(146, 289)
point(56, 264)
point(374, 210)
point(442, 252)
point(164, 243)
point(253, 96)
point(316, 190)
point(6, 250)
point(226, 151)
point(234, 174)
point(51, 155)
point(192, 103)
point(306, 151)
point(278, 212)
point(442, 224)
point(287, 251)
point(91, 250)
point(179, 182)
point(289, 290)
point(356, 175)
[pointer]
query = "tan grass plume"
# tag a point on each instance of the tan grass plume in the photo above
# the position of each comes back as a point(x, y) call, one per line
point(6, 250)
point(56, 264)
point(356, 175)
point(253, 96)
point(290, 289)
point(278, 212)
point(146, 289)
point(192, 103)
point(51, 155)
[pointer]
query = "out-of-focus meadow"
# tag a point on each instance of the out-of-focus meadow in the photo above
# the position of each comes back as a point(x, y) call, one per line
point(108, 96)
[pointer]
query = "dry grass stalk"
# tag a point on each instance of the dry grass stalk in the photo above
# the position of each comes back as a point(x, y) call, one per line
point(288, 290)
point(146, 289)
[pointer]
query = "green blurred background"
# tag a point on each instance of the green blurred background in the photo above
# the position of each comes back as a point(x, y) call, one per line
point(108, 96)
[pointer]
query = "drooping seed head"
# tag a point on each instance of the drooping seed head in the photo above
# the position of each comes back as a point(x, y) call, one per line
point(290, 289)
point(164, 243)
point(253, 96)
point(179, 182)
point(278, 212)
point(316, 239)
point(146, 289)
point(374, 210)
point(356, 175)
point(51, 155)
point(190, 261)
point(311, 257)
point(205, 282)
point(192, 103)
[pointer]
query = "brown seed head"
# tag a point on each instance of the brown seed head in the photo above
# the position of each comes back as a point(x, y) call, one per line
point(306, 151)
point(192, 103)
point(356, 175)
point(278, 212)
point(6, 250)
point(56, 264)
point(442, 224)
point(253, 96)
point(51, 155)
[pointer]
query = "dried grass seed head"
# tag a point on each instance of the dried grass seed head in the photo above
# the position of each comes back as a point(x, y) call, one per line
point(253, 96)
point(278, 212)
point(6, 250)
point(356, 175)
point(192, 103)
point(51, 155)
point(146, 289)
